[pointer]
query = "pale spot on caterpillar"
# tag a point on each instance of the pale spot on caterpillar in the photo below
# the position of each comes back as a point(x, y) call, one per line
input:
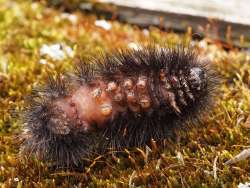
point(106, 109)
point(128, 84)
point(96, 93)
point(112, 86)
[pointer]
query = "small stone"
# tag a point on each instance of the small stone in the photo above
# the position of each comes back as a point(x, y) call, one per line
point(56, 52)
point(103, 24)
point(71, 17)
point(134, 46)
point(43, 61)
point(244, 185)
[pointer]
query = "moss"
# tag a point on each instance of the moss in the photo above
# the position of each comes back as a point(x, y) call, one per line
point(25, 26)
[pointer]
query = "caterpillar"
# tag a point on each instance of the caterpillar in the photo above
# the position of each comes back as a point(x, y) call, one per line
point(122, 99)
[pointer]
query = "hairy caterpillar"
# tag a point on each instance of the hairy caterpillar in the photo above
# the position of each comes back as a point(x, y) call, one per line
point(121, 100)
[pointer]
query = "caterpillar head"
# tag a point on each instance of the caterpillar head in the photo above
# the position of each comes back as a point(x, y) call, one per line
point(197, 78)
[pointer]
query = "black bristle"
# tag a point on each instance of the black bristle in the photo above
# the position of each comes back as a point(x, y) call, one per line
point(39, 138)
point(158, 124)
point(54, 137)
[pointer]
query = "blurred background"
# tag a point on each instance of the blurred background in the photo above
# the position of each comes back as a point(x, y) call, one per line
point(227, 21)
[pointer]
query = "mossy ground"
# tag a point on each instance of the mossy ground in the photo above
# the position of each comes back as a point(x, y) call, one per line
point(26, 26)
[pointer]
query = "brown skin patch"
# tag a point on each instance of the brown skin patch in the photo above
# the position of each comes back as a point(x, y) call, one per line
point(99, 102)
point(85, 106)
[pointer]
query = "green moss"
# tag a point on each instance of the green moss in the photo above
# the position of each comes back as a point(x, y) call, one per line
point(26, 26)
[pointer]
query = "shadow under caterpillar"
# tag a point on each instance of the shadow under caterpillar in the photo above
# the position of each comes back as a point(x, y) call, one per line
point(120, 100)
